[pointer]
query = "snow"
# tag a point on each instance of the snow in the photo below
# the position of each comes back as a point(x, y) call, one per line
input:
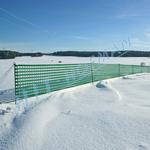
point(108, 115)
point(7, 71)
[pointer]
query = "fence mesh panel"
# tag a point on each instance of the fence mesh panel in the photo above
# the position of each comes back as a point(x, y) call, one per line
point(33, 80)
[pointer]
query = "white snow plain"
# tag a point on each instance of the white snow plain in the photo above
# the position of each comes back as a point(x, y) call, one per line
point(109, 115)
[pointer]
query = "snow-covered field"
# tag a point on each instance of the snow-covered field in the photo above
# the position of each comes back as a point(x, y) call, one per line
point(111, 115)
point(108, 115)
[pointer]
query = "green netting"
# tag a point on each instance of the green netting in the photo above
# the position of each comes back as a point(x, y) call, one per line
point(104, 71)
point(33, 80)
point(126, 70)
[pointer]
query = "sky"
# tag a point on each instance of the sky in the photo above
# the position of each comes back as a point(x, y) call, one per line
point(85, 25)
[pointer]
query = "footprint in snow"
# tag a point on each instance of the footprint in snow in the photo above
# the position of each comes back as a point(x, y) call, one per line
point(142, 147)
point(139, 147)
point(67, 112)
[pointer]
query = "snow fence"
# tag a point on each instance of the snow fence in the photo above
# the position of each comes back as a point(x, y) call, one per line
point(33, 80)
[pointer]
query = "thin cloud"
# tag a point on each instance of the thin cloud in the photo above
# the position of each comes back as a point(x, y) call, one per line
point(130, 14)
point(18, 18)
point(25, 21)
point(81, 37)
point(126, 16)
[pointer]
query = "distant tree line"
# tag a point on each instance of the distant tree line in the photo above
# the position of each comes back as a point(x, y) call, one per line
point(7, 54)
point(103, 53)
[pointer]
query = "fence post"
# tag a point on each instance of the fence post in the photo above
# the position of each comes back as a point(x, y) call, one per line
point(141, 69)
point(15, 81)
point(92, 73)
point(132, 69)
point(119, 69)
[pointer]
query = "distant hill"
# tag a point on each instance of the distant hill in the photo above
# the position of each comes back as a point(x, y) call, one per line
point(7, 54)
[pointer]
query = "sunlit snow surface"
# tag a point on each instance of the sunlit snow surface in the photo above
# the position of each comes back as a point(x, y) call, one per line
point(111, 115)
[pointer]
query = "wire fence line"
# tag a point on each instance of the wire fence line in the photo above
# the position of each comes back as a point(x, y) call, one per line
point(33, 80)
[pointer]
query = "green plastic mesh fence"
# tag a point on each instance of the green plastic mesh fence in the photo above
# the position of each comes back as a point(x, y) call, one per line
point(34, 80)
point(105, 71)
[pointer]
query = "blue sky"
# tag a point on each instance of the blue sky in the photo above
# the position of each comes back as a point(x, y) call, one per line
point(51, 25)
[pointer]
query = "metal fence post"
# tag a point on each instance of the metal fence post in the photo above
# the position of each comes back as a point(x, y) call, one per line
point(132, 69)
point(141, 69)
point(119, 69)
point(15, 80)
point(92, 73)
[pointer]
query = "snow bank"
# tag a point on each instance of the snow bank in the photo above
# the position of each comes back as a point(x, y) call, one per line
point(88, 117)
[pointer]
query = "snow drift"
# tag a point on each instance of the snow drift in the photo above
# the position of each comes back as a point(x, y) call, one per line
point(113, 114)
